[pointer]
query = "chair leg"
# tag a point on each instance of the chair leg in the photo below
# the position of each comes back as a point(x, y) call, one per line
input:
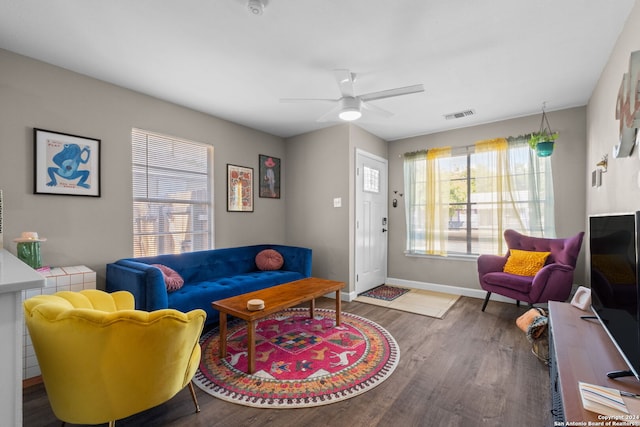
point(193, 396)
point(486, 300)
point(112, 423)
point(518, 303)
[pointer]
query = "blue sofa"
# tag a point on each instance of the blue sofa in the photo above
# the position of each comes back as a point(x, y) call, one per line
point(208, 276)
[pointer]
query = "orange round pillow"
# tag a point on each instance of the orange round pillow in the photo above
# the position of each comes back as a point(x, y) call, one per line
point(269, 259)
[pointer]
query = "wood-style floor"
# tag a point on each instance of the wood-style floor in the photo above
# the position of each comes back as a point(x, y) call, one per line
point(468, 369)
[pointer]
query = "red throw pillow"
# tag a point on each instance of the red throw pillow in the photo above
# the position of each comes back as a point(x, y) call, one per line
point(172, 279)
point(269, 259)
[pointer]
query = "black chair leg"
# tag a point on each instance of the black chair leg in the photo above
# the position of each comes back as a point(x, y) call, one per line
point(486, 300)
point(518, 303)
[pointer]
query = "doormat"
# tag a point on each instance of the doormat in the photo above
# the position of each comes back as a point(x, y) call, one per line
point(385, 292)
point(418, 301)
point(300, 362)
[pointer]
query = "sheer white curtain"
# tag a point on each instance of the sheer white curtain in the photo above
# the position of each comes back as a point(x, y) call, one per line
point(510, 187)
point(426, 180)
point(415, 200)
point(513, 189)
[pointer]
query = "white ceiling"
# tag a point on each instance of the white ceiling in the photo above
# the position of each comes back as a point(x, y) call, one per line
point(501, 58)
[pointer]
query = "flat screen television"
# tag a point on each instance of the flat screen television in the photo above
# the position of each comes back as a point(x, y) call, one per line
point(613, 243)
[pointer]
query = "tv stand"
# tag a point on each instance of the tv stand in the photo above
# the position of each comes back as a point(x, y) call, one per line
point(580, 351)
point(619, 374)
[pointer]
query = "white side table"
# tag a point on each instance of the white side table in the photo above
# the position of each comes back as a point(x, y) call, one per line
point(75, 279)
point(15, 277)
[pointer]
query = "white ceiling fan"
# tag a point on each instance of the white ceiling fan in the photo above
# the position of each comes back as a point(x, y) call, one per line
point(350, 105)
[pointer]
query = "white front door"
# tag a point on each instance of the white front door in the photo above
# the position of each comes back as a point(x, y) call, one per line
point(371, 221)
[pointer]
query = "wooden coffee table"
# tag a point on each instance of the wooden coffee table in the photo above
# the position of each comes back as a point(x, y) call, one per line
point(276, 298)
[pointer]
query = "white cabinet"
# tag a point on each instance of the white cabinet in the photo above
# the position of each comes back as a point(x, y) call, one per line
point(15, 277)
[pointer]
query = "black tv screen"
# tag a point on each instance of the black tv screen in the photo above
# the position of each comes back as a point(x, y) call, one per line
point(613, 242)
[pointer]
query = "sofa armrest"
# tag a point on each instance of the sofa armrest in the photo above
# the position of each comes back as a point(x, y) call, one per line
point(296, 259)
point(490, 264)
point(144, 281)
point(552, 282)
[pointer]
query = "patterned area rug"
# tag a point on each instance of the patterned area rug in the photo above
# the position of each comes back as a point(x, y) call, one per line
point(385, 292)
point(300, 362)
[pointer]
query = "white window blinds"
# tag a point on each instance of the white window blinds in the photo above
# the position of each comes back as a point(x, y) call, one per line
point(172, 194)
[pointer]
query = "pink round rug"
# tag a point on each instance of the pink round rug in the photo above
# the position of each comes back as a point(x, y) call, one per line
point(300, 362)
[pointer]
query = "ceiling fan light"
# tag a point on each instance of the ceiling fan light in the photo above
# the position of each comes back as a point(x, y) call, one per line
point(350, 114)
point(350, 110)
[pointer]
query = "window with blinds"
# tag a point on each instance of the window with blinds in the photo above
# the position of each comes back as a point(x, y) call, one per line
point(172, 194)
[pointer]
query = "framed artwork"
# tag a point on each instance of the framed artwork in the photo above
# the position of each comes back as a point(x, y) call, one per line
point(66, 164)
point(269, 176)
point(239, 189)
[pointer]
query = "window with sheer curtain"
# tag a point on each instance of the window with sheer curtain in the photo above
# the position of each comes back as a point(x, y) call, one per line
point(459, 201)
point(172, 194)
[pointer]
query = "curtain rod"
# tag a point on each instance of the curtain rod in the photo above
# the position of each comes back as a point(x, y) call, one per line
point(471, 147)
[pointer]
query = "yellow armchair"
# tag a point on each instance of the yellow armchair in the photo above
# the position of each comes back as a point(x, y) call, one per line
point(102, 360)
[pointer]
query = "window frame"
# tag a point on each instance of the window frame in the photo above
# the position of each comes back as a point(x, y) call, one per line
point(143, 194)
point(539, 179)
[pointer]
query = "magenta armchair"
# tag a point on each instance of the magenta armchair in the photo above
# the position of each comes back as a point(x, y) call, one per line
point(552, 283)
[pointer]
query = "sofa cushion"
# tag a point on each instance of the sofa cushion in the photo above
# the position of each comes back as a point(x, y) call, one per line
point(525, 263)
point(269, 259)
point(202, 294)
point(172, 279)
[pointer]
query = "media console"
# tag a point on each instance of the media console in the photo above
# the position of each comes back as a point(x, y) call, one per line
point(580, 350)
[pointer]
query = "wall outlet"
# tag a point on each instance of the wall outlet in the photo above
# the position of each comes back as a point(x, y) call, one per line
point(337, 202)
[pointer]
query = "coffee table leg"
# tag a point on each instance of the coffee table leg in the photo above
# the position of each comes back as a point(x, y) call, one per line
point(251, 346)
point(312, 308)
point(338, 307)
point(223, 335)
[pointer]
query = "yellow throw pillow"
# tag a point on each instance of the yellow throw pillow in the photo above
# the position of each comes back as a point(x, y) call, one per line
point(525, 263)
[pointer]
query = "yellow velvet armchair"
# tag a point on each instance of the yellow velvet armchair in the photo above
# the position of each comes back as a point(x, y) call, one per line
point(102, 360)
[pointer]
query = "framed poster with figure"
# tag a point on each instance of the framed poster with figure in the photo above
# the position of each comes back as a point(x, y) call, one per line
point(66, 164)
point(269, 176)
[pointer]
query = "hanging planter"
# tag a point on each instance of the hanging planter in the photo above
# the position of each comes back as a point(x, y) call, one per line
point(543, 141)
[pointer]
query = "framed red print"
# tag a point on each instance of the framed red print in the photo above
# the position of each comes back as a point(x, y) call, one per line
point(239, 188)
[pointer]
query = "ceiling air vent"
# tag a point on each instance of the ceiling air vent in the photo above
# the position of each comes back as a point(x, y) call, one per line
point(459, 115)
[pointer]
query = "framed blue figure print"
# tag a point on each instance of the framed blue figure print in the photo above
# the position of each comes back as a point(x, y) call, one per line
point(66, 164)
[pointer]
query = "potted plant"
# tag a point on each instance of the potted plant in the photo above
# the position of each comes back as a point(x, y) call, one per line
point(543, 142)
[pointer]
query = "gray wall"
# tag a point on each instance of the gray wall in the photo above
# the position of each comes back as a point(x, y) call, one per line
point(620, 190)
point(95, 231)
point(568, 163)
point(318, 172)
point(321, 167)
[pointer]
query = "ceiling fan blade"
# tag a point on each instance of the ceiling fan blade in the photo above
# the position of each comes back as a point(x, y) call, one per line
point(331, 115)
point(375, 109)
point(345, 82)
point(407, 90)
point(289, 100)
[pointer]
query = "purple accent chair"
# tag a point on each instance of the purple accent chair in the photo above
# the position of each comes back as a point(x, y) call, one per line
point(552, 283)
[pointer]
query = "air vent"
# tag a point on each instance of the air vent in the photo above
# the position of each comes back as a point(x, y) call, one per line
point(459, 115)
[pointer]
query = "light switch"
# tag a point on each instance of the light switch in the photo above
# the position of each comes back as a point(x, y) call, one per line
point(337, 202)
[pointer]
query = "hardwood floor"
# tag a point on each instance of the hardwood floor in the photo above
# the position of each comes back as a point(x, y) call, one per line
point(468, 369)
